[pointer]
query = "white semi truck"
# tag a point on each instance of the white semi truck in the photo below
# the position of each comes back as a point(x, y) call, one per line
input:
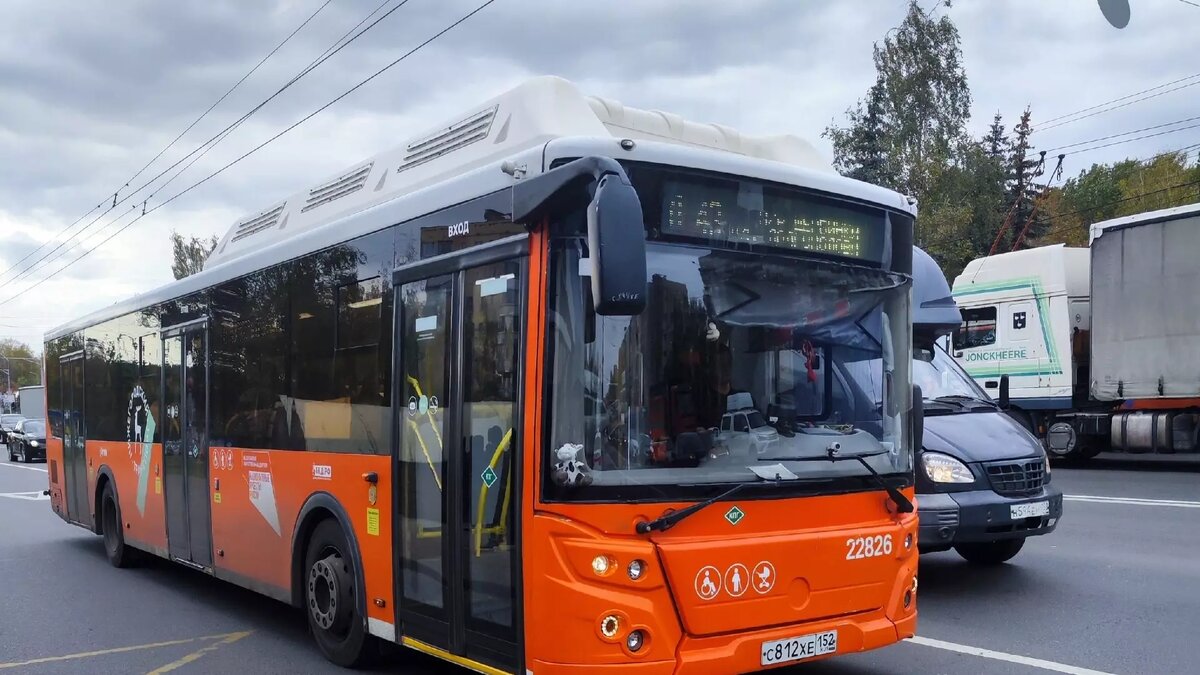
point(1094, 348)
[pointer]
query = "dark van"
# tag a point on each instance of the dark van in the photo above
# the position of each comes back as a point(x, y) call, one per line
point(983, 481)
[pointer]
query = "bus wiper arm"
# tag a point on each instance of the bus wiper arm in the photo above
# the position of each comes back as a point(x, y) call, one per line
point(903, 504)
point(668, 520)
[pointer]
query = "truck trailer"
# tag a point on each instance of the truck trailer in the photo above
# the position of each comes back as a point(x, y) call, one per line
point(1096, 348)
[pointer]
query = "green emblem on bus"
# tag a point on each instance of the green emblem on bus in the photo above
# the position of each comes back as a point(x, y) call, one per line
point(489, 477)
point(735, 515)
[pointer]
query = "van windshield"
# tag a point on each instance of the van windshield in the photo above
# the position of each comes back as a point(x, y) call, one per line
point(939, 375)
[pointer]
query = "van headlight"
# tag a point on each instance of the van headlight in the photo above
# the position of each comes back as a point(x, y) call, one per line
point(941, 468)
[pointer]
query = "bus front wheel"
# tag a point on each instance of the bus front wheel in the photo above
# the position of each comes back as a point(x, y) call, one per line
point(330, 598)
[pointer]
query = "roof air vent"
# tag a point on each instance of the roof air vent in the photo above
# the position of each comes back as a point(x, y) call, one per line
point(456, 136)
point(263, 221)
point(337, 188)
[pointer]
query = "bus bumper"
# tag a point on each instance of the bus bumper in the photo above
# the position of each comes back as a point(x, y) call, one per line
point(741, 653)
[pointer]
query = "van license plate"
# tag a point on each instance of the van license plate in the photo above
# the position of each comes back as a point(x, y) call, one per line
point(1030, 510)
point(799, 648)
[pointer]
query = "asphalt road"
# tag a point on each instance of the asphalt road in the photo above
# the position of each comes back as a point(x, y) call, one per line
point(1115, 590)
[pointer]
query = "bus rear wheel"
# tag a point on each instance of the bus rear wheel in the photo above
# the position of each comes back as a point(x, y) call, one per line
point(119, 555)
point(330, 598)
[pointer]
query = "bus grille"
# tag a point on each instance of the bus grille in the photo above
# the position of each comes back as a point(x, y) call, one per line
point(1016, 479)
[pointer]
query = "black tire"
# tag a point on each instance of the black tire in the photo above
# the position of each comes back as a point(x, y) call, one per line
point(119, 555)
point(331, 598)
point(990, 552)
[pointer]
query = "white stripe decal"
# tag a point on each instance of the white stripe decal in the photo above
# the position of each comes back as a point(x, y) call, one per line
point(381, 629)
point(1132, 501)
point(1001, 656)
point(20, 466)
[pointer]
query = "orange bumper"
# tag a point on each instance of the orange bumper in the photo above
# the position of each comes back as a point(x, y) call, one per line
point(740, 653)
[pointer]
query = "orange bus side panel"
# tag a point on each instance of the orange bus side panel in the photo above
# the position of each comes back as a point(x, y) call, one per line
point(138, 480)
point(256, 500)
point(54, 470)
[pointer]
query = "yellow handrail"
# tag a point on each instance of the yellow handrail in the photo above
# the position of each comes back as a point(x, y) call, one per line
point(417, 432)
point(483, 494)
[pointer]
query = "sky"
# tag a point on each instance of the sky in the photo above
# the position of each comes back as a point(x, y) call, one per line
point(91, 92)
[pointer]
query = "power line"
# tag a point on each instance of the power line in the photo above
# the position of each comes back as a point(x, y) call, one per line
point(1046, 127)
point(216, 173)
point(206, 146)
point(1135, 138)
point(1125, 133)
point(1189, 2)
point(189, 127)
point(1122, 98)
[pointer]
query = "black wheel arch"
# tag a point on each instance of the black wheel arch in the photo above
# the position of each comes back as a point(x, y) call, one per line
point(320, 506)
point(104, 477)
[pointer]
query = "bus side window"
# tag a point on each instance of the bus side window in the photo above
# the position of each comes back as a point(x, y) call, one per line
point(978, 328)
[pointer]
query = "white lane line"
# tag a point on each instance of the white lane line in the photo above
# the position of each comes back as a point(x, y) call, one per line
point(1132, 501)
point(22, 466)
point(31, 496)
point(1002, 656)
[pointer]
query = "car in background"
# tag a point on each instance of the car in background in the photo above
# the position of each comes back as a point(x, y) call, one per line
point(7, 423)
point(27, 441)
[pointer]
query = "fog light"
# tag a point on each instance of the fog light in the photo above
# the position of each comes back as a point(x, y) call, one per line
point(609, 626)
point(601, 564)
point(636, 569)
point(908, 541)
point(634, 641)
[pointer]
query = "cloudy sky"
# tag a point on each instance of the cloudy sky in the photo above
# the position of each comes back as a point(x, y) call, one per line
point(90, 92)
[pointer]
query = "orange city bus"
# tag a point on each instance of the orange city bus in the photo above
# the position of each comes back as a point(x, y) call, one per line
point(561, 386)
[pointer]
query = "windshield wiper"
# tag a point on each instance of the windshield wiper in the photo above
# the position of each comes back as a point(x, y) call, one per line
point(668, 520)
point(831, 455)
point(964, 398)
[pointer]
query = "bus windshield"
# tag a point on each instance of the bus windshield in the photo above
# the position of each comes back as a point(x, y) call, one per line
point(739, 361)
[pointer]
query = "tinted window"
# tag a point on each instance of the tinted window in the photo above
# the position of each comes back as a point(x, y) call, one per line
point(978, 328)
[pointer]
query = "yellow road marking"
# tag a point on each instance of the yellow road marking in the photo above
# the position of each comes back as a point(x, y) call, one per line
point(196, 655)
point(116, 650)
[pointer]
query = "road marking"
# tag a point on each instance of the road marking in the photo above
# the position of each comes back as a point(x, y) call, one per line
point(21, 466)
point(1132, 501)
point(199, 653)
point(1001, 656)
point(116, 650)
point(31, 496)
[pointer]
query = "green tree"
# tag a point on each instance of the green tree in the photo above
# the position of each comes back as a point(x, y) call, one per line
point(905, 133)
point(189, 254)
point(1021, 189)
point(21, 366)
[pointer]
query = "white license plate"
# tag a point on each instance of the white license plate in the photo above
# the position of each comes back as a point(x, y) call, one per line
point(1030, 510)
point(799, 648)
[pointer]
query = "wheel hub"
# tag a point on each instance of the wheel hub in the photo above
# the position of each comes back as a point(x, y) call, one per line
point(328, 586)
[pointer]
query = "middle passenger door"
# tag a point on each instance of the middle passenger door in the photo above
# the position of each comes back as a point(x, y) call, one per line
point(459, 324)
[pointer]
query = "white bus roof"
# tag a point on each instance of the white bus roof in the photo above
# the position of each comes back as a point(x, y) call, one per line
point(1058, 269)
point(1098, 229)
point(488, 148)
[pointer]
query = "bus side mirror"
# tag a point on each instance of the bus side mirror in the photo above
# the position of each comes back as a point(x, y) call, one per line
point(615, 230)
point(617, 248)
point(1003, 392)
point(918, 418)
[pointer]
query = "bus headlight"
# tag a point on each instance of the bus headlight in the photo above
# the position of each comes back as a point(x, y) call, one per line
point(941, 468)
